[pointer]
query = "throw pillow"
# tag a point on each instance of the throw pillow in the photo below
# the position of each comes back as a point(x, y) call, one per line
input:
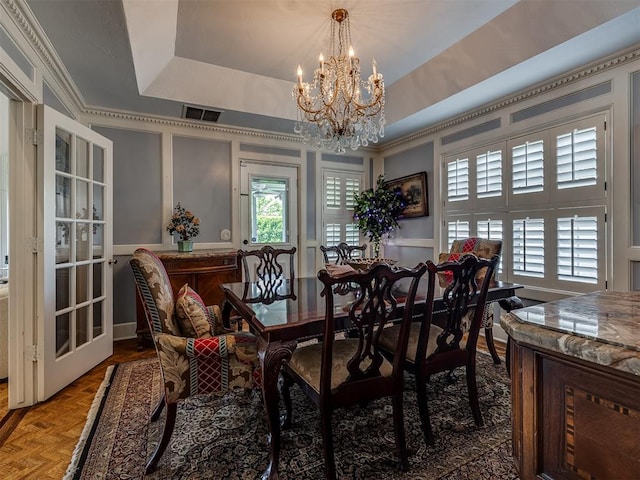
point(193, 316)
point(446, 277)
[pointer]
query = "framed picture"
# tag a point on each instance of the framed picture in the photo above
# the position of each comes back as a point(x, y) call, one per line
point(415, 188)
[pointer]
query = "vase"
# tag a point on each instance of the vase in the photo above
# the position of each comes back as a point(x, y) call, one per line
point(376, 249)
point(185, 245)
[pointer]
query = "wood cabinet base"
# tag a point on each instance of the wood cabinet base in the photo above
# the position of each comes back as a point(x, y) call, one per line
point(573, 419)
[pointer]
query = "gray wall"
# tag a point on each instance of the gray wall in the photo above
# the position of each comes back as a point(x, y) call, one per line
point(202, 183)
point(137, 186)
point(408, 162)
point(635, 159)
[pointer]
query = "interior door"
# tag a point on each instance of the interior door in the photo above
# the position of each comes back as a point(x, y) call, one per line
point(269, 206)
point(74, 272)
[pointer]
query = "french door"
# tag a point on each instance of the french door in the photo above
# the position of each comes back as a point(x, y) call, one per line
point(74, 269)
point(268, 205)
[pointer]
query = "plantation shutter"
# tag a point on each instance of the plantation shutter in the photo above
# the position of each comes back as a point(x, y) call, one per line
point(578, 249)
point(528, 167)
point(528, 247)
point(337, 216)
point(458, 180)
point(576, 156)
point(492, 230)
point(457, 229)
point(489, 174)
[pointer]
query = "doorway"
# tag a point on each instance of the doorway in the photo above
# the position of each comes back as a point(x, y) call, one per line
point(268, 206)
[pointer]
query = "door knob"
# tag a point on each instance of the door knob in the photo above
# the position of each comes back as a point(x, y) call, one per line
point(246, 242)
point(113, 261)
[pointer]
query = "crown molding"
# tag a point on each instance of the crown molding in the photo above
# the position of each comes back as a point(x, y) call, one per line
point(25, 20)
point(558, 82)
point(172, 122)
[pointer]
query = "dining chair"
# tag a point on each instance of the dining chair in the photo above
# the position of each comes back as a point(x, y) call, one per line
point(339, 372)
point(267, 266)
point(341, 253)
point(482, 248)
point(450, 344)
point(197, 355)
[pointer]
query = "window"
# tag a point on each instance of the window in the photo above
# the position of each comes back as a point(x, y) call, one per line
point(337, 219)
point(578, 249)
point(457, 229)
point(528, 247)
point(489, 176)
point(492, 230)
point(458, 179)
point(528, 167)
point(577, 158)
point(543, 194)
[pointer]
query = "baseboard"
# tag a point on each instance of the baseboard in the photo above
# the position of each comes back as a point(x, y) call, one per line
point(124, 331)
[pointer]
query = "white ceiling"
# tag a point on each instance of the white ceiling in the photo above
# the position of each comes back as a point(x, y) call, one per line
point(439, 57)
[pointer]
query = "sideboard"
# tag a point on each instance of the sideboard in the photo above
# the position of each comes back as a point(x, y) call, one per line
point(575, 385)
point(203, 270)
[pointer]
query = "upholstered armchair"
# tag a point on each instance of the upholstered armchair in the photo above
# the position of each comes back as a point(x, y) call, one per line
point(197, 354)
point(482, 248)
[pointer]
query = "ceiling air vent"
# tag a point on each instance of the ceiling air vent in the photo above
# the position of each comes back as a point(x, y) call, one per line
point(198, 113)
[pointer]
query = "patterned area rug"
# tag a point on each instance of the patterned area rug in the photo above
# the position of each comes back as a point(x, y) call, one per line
point(225, 438)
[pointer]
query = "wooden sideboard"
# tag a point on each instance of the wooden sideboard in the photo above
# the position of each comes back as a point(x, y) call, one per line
point(575, 384)
point(203, 270)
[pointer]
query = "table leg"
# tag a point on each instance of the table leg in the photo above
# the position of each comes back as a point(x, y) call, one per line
point(272, 357)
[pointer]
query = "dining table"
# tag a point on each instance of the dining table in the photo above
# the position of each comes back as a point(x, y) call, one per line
point(285, 312)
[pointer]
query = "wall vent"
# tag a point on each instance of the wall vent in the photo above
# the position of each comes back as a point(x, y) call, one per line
point(199, 113)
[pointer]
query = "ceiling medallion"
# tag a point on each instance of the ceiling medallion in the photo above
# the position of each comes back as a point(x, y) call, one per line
point(334, 112)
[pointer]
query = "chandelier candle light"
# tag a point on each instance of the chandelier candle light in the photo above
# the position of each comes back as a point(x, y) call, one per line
point(333, 113)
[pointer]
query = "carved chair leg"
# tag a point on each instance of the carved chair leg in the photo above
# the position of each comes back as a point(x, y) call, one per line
point(327, 443)
point(473, 393)
point(488, 338)
point(423, 408)
point(398, 426)
point(169, 423)
point(158, 409)
point(287, 381)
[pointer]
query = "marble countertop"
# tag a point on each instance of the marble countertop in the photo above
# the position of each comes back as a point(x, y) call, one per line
point(600, 327)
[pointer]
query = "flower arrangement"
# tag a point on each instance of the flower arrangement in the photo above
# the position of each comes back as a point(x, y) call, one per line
point(377, 211)
point(184, 223)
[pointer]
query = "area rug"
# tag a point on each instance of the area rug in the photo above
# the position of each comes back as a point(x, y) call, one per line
point(225, 438)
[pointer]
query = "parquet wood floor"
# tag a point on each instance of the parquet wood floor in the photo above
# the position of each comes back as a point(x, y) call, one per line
point(41, 445)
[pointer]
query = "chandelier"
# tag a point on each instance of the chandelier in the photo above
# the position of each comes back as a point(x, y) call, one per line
point(334, 112)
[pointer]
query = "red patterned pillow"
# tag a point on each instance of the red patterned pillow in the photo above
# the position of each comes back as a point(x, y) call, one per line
point(193, 315)
point(446, 277)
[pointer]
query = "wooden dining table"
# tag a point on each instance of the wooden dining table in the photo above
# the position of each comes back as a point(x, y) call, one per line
point(282, 313)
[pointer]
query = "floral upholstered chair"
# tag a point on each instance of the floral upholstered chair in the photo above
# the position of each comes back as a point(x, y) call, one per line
point(197, 354)
point(482, 248)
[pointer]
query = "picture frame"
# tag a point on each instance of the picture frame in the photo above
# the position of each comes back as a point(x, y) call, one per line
point(415, 188)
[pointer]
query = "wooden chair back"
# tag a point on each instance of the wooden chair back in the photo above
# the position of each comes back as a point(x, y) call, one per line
point(268, 266)
point(376, 305)
point(342, 253)
point(458, 295)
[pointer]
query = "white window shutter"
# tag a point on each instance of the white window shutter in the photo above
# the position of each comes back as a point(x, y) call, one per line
point(491, 229)
point(337, 217)
point(528, 167)
point(528, 247)
point(457, 229)
point(458, 180)
point(576, 155)
point(578, 249)
point(489, 174)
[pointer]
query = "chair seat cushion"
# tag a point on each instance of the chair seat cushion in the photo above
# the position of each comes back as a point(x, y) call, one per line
point(306, 363)
point(389, 340)
point(195, 319)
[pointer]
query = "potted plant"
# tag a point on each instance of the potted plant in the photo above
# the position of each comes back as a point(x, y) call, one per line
point(186, 225)
point(377, 211)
